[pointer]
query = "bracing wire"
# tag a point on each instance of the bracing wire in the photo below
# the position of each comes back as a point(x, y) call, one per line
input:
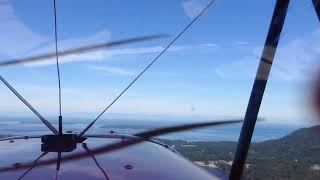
point(29, 106)
point(150, 64)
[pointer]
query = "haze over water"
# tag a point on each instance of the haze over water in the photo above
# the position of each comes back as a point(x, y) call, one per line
point(263, 131)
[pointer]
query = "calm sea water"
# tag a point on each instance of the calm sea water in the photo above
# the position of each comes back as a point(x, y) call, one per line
point(263, 131)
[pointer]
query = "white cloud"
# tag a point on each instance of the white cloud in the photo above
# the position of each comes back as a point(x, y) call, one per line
point(89, 101)
point(120, 71)
point(192, 8)
point(240, 43)
point(294, 66)
point(242, 68)
point(110, 53)
point(99, 37)
point(18, 40)
point(16, 37)
point(113, 70)
point(295, 60)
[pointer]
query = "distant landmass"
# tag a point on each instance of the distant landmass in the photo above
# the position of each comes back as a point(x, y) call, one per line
point(22, 126)
point(295, 156)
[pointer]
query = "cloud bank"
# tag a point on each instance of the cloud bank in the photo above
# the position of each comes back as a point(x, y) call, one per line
point(192, 8)
point(295, 60)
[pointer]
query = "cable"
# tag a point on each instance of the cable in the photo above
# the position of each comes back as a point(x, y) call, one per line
point(150, 64)
point(29, 106)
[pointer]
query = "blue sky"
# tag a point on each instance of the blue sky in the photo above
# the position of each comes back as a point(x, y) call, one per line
point(207, 74)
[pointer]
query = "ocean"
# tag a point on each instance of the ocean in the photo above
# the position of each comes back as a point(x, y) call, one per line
point(263, 130)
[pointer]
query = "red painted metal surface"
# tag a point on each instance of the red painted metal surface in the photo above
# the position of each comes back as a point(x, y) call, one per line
point(147, 160)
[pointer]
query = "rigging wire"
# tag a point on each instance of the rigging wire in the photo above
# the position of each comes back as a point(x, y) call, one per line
point(150, 64)
point(57, 56)
point(29, 106)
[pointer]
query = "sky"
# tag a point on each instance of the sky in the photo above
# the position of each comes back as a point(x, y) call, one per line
point(207, 74)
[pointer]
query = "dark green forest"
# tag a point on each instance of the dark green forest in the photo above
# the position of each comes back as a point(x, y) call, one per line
point(295, 156)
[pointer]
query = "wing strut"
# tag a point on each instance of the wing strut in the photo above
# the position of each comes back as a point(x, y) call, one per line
point(316, 5)
point(258, 88)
